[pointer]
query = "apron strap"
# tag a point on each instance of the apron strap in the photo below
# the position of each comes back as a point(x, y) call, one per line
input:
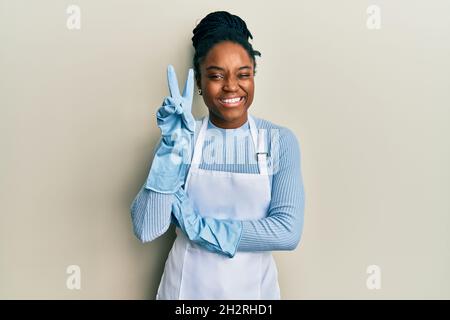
point(197, 157)
point(259, 142)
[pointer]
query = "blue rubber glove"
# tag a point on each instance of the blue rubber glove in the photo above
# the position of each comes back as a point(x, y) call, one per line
point(215, 235)
point(177, 125)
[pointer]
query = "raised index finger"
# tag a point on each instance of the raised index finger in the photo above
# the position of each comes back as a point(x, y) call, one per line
point(173, 82)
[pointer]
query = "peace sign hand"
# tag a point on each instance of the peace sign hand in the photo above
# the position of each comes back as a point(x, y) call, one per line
point(185, 100)
point(174, 118)
point(177, 104)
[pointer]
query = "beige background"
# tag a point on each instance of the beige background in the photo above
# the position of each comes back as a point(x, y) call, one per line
point(370, 109)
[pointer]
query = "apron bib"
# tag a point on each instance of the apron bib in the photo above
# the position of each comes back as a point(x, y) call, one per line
point(192, 272)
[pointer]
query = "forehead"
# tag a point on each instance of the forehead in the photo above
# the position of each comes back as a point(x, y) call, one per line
point(228, 55)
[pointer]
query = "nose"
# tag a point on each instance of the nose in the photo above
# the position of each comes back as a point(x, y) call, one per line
point(231, 84)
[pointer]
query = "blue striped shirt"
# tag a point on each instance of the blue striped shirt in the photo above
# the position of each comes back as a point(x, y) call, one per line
point(282, 228)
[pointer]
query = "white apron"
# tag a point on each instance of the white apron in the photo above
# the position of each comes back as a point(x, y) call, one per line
point(192, 272)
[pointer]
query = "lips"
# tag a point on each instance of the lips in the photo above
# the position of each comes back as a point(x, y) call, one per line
point(231, 101)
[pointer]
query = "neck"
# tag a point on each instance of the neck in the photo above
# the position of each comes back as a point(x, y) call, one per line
point(221, 123)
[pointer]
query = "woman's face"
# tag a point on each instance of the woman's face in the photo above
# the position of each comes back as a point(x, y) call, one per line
point(227, 73)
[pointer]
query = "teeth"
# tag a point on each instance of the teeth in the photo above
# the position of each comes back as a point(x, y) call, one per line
point(231, 100)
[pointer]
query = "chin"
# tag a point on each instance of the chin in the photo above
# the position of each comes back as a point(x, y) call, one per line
point(232, 115)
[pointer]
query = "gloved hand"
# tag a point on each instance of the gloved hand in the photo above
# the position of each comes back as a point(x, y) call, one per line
point(215, 235)
point(177, 125)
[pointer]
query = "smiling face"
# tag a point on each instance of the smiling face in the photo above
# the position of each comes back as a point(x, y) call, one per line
point(227, 83)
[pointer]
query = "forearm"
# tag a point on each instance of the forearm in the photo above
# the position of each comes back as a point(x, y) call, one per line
point(151, 214)
point(279, 232)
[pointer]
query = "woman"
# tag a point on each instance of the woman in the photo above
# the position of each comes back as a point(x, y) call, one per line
point(239, 200)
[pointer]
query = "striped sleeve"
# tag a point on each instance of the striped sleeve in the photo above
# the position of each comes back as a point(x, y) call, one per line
point(151, 214)
point(282, 228)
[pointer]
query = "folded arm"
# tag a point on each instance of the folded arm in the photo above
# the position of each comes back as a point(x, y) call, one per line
point(280, 230)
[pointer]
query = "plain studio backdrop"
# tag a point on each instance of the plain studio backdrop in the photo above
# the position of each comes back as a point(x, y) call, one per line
point(364, 85)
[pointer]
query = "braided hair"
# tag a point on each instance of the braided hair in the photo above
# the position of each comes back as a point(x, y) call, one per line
point(217, 27)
